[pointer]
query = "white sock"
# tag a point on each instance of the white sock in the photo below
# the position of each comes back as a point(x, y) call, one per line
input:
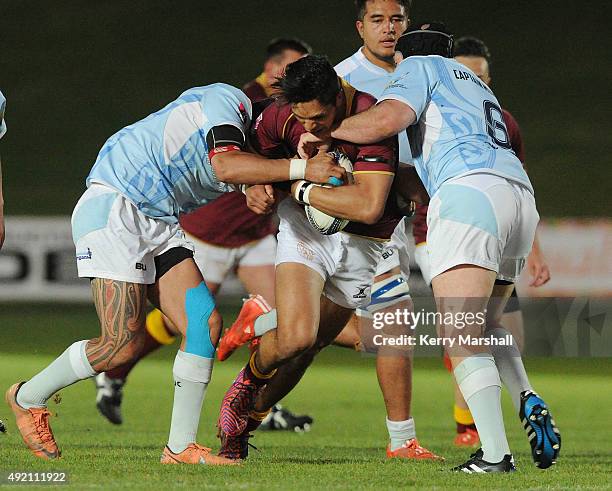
point(400, 432)
point(69, 367)
point(265, 322)
point(191, 377)
point(478, 379)
point(510, 366)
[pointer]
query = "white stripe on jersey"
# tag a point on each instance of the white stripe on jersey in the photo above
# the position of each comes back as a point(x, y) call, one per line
point(183, 121)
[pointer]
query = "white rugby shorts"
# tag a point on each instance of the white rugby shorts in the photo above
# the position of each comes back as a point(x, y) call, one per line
point(481, 219)
point(395, 252)
point(216, 262)
point(346, 262)
point(115, 240)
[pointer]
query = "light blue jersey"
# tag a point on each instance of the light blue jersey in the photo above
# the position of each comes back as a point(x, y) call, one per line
point(460, 128)
point(2, 108)
point(161, 163)
point(365, 76)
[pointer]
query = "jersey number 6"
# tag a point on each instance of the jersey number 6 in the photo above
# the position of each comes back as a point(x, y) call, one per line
point(496, 127)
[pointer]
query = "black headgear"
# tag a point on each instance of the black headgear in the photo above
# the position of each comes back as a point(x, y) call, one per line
point(430, 38)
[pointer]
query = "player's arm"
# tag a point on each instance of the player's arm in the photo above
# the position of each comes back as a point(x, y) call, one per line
point(363, 201)
point(234, 166)
point(409, 186)
point(381, 121)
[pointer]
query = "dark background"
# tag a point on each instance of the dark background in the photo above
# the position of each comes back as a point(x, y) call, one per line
point(74, 72)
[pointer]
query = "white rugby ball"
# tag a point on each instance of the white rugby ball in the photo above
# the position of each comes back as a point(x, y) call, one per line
point(322, 222)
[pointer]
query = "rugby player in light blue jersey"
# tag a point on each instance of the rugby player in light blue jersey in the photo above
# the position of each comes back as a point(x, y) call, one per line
point(128, 241)
point(380, 23)
point(482, 217)
point(2, 132)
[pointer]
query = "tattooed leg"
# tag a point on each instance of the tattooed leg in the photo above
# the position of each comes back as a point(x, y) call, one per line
point(121, 309)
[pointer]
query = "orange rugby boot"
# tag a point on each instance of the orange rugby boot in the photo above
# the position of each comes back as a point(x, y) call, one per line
point(33, 424)
point(243, 329)
point(468, 438)
point(195, 454)
point(411, 449)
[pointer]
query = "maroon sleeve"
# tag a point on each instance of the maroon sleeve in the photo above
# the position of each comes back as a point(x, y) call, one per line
point(419, 224)
point(514, 132)
point(380, 157)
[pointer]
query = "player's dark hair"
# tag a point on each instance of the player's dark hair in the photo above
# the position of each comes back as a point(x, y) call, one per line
point(361, 7)
point(309, 78)
point(427, 38)
point(279, 45)
point(471, 46)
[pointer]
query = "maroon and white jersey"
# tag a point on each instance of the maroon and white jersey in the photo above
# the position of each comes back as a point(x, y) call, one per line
point(277, 134)
point(419, 222)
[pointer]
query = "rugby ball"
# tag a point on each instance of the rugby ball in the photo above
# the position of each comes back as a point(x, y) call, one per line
point(322, 222)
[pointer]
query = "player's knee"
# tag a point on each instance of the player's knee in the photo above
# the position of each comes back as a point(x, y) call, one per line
point(203, 322)
point(215, 325)
point(296, 345)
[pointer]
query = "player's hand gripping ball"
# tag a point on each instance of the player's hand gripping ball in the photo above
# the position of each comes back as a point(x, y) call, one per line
point(324, 223)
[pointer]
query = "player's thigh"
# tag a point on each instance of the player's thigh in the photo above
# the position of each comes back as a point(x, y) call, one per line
point(333, 320)
point(521, 231)
point(298, 294)
point(350, 284)
point(256, 268)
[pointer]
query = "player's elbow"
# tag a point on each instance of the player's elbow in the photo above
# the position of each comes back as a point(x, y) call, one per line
point(223, 169)
point(372, 212)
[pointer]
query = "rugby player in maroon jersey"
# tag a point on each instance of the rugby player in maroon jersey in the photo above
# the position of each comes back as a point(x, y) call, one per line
point(320, 279)
point(279, 53)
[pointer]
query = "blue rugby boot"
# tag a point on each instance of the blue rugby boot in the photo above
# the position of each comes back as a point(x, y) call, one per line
point(543, 434)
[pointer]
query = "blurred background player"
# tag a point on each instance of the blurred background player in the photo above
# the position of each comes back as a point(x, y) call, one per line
point(279, 53)
point(227, 238)
point(474, 54)
point(2, 132)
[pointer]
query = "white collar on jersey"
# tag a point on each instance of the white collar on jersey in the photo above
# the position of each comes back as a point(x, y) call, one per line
point(367, 64)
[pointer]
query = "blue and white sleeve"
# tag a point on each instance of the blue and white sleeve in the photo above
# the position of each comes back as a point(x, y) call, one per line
point(410, 85)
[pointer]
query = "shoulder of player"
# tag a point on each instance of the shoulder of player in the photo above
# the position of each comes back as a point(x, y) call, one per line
point(362, 101)
point(277, 119)
point(346, 67)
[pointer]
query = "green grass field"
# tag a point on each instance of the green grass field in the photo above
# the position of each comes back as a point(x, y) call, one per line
point(345, 448)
